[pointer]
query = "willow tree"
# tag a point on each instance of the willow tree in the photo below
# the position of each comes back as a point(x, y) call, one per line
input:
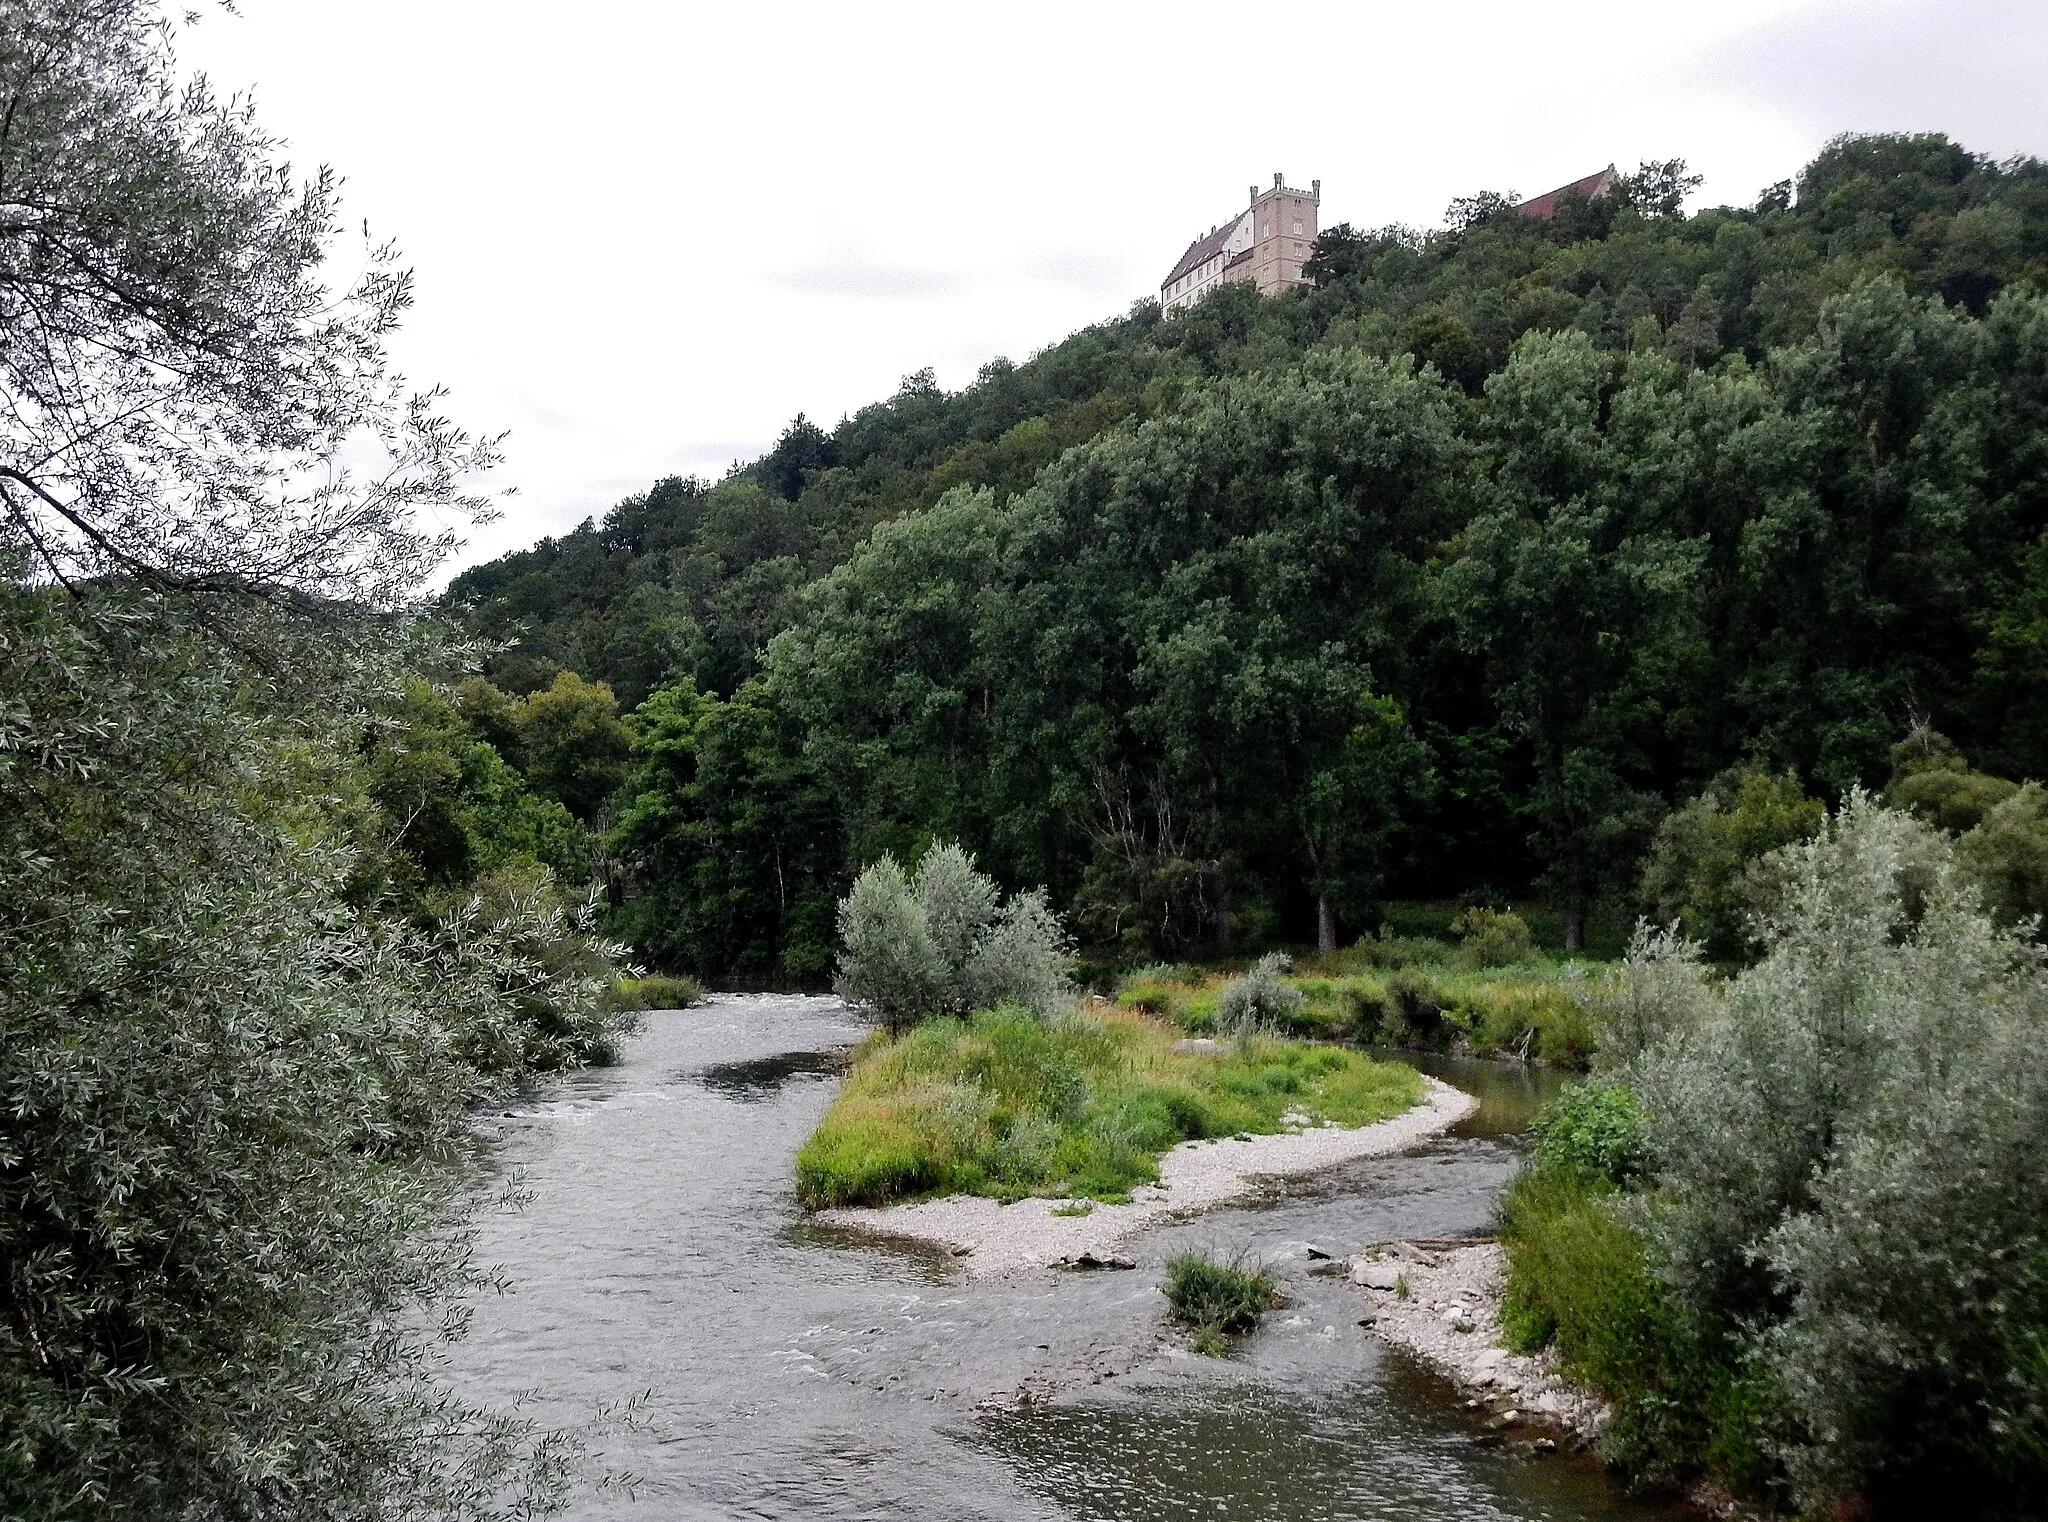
point(235, 1097)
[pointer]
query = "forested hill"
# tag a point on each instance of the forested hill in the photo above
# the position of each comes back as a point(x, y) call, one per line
point(1450, 575)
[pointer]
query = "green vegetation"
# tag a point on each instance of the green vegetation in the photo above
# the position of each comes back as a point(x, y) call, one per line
point(1447, 580)
point(1795, 1237)
point(1007, 1104)
point(1216, 1301)
point(1700, 873)
point(659, 991)
point(944, 942)
point(274, 916)
point(1534, 1009)
point(1259, 1001)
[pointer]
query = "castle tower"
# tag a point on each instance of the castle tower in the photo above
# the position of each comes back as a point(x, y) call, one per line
point(1283, 234)
point(1266, 243)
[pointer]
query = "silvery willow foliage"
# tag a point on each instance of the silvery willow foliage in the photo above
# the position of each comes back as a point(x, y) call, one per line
point(1259, 1001)
point(1655, 992)
point(235, 1107)
point(1851, 1167)
point(181, 391)
point(234, 1147)
point(944, 941)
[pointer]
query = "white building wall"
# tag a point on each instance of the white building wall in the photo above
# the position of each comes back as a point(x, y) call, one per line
point(1203, 278)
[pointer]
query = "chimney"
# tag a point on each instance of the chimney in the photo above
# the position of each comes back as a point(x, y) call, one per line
point(1276, 179)
point(1255, 195)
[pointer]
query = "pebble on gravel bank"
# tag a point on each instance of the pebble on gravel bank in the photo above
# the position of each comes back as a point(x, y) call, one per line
point(1442, 1305)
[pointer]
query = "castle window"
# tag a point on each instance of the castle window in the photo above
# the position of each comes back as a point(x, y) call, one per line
point(1297, 229)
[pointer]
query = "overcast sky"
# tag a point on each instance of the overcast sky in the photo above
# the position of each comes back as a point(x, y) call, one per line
point(648, 234)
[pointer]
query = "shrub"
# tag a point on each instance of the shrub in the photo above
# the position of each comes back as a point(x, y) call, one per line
point(1581, 1280)
point(1389, 950)
point(1259, 1001)
point(1594, 1130)
point(1849, 1162)
point(1655, 993)
point(1932, 781)
point(1413, 1011)
point(2006, 855)
point(1492, 937)
point(1699, 873)
point(1529, 1018)
point(656, 991)
point(1216, 1300)
point(944, 942)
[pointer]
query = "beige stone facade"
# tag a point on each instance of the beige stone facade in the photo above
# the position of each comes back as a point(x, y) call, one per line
point(1267, 243)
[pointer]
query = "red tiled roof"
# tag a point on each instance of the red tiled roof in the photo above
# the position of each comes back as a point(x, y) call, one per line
point(1591, 188)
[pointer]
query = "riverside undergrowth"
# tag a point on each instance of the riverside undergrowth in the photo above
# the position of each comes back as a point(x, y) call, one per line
point(1528, 1010)
point(1008, 1105)
point(1796, 1239)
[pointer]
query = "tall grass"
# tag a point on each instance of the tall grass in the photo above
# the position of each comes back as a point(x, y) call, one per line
point(1580, 1280)
point(1524, 1011)
point(655, 991)
point(1007, 1105)
point(1216, 1301)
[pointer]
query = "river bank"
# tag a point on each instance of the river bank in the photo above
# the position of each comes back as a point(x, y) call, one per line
point(1441, 1304)
point(987, 1238)
point(791, 1373)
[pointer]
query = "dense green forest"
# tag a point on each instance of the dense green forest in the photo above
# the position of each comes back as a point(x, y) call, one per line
point(1450, 577)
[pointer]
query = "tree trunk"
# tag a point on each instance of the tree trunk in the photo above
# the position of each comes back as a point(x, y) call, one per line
point(1575, 925)
point(1223, 921)
point(1326, 924)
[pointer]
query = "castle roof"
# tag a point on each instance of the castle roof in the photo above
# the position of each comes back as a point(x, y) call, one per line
point(1591, 188)
point(1202, 250)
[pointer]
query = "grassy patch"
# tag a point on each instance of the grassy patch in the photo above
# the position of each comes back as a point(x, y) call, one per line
point(1526, 1010)
point(1009, 1106)
point(1216, 1300)
point(1685, 1403)
point(658, 991)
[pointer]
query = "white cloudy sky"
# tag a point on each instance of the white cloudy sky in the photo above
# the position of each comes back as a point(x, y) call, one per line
point(647, 234)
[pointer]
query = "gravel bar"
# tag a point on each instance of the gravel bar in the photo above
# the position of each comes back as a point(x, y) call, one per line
point(989, 1238)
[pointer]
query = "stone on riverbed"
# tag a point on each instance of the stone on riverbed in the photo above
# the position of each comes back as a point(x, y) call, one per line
point(1375, 1273)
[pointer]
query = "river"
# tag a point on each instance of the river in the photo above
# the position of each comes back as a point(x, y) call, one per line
point(788, 1372)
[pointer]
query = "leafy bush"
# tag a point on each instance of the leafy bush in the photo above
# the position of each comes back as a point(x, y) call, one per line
point(656, 991)
point(1580, 1280)
point(1654, 994)
point(1853, 1151)
point(1524, 1019)
point(1699, 873)
point(236, 1156)
point(1216, 1300)
point(1007, 1105)
point(1412, 1010)
point(1492, 937)
point(1845, 1168)
point(1932, 781)
point(1158, 990)
point(1259, 1001)
point(2006, 855)
point(1594, 1130)
point(1390, 950)
point(944, 942)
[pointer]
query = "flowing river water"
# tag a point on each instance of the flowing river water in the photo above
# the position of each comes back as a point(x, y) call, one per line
point(789, 1372)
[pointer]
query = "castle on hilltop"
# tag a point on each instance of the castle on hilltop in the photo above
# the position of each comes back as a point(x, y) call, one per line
point(1266, 243)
